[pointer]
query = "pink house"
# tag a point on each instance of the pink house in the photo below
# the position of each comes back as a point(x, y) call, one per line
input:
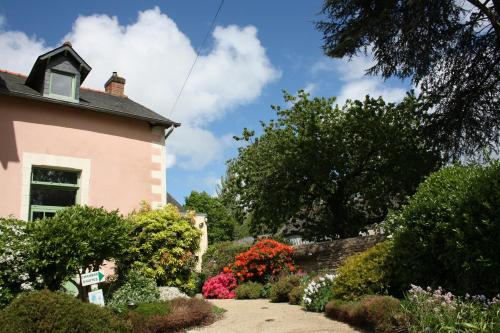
point(61, 144)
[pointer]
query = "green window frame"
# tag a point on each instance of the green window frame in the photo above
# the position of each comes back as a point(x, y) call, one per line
point(71, 186)
point(73, 86)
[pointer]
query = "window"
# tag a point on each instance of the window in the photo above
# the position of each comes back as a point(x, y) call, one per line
point(51, 190)
point(62, 85)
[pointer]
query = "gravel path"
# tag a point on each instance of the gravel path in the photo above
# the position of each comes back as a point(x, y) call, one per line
point(256, 316)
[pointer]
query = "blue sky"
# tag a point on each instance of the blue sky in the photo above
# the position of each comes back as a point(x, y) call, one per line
point(258, 49)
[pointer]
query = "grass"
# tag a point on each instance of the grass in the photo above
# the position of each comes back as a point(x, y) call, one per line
point(217, 311)
point(153, 309)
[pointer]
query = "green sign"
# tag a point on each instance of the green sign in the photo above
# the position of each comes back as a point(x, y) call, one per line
point(92, 278)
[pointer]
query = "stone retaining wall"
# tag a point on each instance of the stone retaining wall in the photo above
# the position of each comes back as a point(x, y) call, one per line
point(329, 255)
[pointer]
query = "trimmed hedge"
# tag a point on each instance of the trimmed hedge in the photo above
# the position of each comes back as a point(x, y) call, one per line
point(381, 314)
point(184, 313)
point(54, 312)
point(365, 273)
point(449, 233)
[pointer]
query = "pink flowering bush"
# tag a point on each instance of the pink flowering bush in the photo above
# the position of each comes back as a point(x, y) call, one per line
point(220, 286)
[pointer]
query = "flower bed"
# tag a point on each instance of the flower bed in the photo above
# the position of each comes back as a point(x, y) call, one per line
point(431, 310)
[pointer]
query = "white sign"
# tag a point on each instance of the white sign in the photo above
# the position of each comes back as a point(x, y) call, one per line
point(96, 297)
point(92, 278)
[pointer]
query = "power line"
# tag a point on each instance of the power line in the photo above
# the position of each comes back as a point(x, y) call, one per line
point(212, 25)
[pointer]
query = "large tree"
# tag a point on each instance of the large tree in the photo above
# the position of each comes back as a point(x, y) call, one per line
point(331, 170)
point(220, 224)
point(449, 48)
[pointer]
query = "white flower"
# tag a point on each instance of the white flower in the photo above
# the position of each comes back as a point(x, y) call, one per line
point(26, 286)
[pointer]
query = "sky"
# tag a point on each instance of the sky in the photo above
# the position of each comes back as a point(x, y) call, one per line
point(257, 49)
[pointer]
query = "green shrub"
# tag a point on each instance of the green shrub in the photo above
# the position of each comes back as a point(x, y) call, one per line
point(281, 289)
point(365, 273)
point(53, 312)
point(266, 290)
point(449, 233)
point(220, 223)
point(296, 294)
point(199, 280)
point(249, 290)
point(136, 289)
point(220, 255)
point(16, 274)
point(381, 314)
point(154, 309)
point(184, 313)
point(437, 311)
point(164, 244)
point(76, 238)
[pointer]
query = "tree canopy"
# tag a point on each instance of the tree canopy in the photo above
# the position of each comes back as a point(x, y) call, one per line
point(330, 170)
point(449, 48)
point(220, 224)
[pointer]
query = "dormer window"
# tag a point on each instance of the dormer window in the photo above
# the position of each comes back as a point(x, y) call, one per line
point(62, 85)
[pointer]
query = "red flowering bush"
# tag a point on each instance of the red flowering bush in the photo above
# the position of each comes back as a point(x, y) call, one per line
point(263, 260)
point(220, 286)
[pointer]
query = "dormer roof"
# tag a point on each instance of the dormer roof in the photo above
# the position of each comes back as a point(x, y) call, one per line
point(37, 72)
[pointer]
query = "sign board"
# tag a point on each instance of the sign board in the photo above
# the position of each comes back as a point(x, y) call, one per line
point(92, 278)
point(96, 297)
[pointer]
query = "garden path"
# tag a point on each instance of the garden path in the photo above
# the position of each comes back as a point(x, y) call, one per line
point(262, 316)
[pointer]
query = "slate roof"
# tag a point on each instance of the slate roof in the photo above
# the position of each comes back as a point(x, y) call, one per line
point(171, 200)
point(14, 84)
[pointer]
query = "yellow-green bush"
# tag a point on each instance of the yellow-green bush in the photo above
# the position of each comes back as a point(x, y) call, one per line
point(249, 290)
point(295, 295)
point(366, 273)
point(281, 289)
point(163, 246)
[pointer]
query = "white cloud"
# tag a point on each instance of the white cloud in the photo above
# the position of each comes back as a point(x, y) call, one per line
point(356, 83)
point(18, 51)
point(374, 87)
point(213, 183)
point(154, 56)
point(311, 87)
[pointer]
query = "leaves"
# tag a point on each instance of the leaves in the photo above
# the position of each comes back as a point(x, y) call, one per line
point(450, 50)
point(325, 171)
point(451, 232)
point(220, 224)
point(163, 246)
point(76, 238)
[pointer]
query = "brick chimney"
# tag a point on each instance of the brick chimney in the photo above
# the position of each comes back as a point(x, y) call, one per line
point(115, 85)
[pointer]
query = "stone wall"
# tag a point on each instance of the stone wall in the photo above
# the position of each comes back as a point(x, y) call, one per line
point(329, 255)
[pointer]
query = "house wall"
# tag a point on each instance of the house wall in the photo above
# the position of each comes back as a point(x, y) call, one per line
point(200, 221)
point(126, 157)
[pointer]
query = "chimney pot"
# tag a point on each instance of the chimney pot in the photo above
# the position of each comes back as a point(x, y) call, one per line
point(115, 85)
